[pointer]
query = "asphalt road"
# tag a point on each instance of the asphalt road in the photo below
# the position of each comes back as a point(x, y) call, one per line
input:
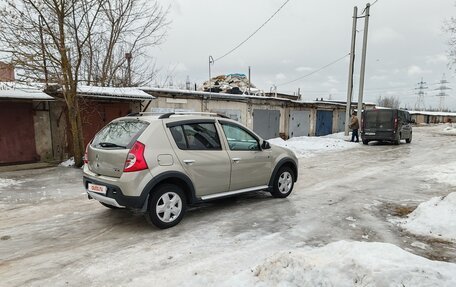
point(52, 235)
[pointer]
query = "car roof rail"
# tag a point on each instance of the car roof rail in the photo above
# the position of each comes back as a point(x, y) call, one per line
point(137, 114)
point(168, 115)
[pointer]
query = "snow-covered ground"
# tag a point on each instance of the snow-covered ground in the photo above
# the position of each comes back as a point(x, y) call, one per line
point(5, 182)
point(68, 163)
point(435, 218)
point(450, 129)
point(332, 231)
point(345, 263)
point(310, 146)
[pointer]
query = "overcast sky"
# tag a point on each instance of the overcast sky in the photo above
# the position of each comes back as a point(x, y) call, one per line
point(406, 42)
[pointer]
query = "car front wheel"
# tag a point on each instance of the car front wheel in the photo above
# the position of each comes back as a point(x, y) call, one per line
point(166, 206)
point(283, 183)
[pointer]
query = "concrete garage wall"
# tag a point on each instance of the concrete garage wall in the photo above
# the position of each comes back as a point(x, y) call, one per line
point(43, 138)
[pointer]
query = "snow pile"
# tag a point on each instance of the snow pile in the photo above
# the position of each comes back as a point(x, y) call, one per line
point(68, 163)
point(5, 182)
point(346, 263)
point(450, 130)
point(435, 218)
point(308, 146)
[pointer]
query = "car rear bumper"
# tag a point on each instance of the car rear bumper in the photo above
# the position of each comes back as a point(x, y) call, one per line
point(104, 199)
point(114, 195)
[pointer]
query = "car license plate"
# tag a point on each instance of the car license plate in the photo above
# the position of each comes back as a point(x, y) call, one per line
point(370, 134)
point(97, 188)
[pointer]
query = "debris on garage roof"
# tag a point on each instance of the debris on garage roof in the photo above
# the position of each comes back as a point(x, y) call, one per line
point(14, 90)
point(229, 84)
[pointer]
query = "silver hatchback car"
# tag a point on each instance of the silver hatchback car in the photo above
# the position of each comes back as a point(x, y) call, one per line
point(161, 164)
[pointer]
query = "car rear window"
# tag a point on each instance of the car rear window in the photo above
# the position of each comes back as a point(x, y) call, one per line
point(379, 119)
point(119, 134)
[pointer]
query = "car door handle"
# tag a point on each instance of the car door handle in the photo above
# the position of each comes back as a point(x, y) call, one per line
point(189, 161)
point(236, 159)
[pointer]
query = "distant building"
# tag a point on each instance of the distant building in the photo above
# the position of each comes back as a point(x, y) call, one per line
point(6, 72)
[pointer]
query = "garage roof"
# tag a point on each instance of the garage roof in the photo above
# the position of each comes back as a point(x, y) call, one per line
point(13, 90)
point(113, 93)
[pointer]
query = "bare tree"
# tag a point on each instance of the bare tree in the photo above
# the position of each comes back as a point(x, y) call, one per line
point(125, 30)
point(388, 102)
point(71, 41)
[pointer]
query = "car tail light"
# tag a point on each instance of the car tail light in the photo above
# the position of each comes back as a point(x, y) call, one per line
point(86, 156)
point(395, 123)
point(135, 159)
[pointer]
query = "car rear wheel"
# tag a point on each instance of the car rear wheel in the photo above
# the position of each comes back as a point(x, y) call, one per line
point(365, 142)
point(409, 140)
point(283, 183)
point(166, 206)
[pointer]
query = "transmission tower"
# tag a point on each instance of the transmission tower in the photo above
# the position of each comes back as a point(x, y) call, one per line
point(419, 106)
point(442, 94)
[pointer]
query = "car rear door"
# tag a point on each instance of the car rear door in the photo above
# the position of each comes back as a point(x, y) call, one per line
point(250, 166)
point(198, 148)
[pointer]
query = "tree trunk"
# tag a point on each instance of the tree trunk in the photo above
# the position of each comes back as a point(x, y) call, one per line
point(75, 128)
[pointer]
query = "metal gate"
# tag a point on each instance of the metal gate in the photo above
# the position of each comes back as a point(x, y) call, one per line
point(95, 115)
point(324, 123)
point(341, 121)
point(17, 133)
point(266, 123)
point(299, 124)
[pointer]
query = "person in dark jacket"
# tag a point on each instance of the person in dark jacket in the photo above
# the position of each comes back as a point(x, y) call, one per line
point(354, 126)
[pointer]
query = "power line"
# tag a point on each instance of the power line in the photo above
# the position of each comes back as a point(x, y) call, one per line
point(251, 35)
point(316, 71)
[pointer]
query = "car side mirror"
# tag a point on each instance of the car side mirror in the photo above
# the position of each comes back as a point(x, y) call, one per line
point(265, 145)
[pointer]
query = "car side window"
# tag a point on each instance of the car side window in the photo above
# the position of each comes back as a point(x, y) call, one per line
point(239, 139)
point(201, 136)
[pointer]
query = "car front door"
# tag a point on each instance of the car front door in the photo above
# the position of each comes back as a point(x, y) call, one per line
point(250, 165)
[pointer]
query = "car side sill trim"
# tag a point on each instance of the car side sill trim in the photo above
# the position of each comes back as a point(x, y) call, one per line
point(228, 193)
point(104, 199)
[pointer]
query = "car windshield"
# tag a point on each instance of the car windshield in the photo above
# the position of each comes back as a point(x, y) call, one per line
point(119, 134)
point(379, 119)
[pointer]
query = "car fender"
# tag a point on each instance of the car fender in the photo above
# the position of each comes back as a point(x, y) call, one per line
point(279, 164)
point(169, 176)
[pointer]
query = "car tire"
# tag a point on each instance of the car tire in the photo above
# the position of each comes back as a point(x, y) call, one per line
point(109, 206)
point(409, 140)
point(365, 142)
point(167, 205)
point(283, 182)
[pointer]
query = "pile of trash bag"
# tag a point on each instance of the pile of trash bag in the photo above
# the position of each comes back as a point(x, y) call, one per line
point(230, 84)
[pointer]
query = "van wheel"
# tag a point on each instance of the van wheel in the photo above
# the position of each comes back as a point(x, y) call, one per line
point(283, 183)
point(365, 142)
point(396, 142)
point(409, 140)
point(166, 206)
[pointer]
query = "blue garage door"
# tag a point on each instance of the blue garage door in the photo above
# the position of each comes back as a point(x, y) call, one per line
point(324, 123)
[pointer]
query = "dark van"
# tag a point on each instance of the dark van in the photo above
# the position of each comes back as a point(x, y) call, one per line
point(392, 125)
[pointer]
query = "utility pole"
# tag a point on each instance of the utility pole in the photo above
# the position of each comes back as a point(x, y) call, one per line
point(363, 62)
point(211, 61)
point(41, 24)
point(350, 70)
point(128, 57)
point(249, 80)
